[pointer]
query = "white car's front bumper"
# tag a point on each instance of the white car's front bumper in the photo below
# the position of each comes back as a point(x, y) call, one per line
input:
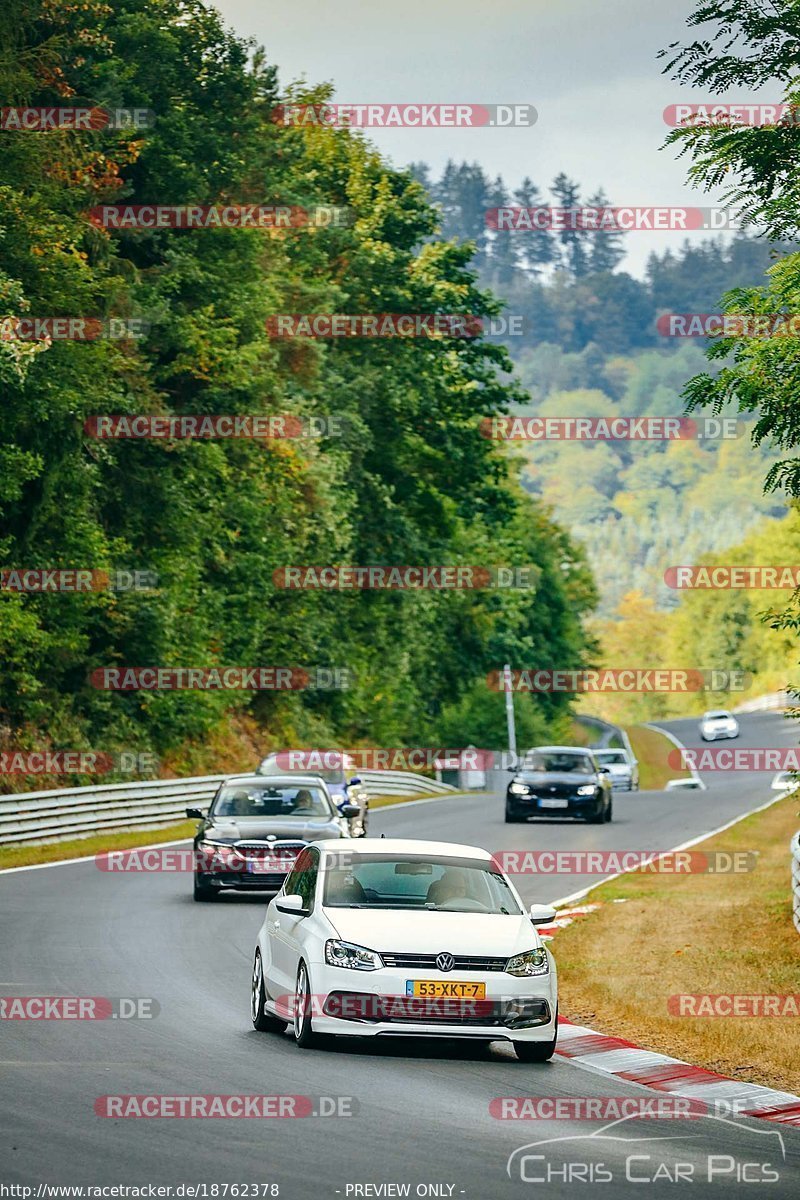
point(523, 1010)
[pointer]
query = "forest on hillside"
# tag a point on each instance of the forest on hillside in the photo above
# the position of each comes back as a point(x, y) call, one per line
point(590, 345)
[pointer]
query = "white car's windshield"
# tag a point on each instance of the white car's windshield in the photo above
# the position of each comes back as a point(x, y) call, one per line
point(272, 800)
point(611, 756)
point(717, 716)
point(419, 882)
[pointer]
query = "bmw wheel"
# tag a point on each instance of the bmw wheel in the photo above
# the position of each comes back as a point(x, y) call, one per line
point(202, 891)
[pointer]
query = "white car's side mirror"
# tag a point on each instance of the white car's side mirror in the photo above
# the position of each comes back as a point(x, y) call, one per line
point(542, 914)
point(291, 904)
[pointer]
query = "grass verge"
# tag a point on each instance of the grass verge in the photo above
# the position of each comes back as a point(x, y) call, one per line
point(695, 934)
point(651, 749)
point(27, 856)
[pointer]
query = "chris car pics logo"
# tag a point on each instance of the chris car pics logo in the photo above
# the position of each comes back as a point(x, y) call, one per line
point(619, 1152)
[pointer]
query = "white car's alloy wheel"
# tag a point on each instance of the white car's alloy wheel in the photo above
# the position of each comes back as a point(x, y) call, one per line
point(262, 1021)
point(256, 1008)
point(300, 1002)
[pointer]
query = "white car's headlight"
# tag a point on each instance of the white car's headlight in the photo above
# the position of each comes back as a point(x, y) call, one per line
point(587, 789)
point(532, 962)
point(519, 789)
point(357, 958)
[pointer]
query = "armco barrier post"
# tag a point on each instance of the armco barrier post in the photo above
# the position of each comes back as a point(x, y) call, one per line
point(796, 881)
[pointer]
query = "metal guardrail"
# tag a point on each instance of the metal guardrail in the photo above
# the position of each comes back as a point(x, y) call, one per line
point(795, 846)
point(773, 702)
point(80, 812)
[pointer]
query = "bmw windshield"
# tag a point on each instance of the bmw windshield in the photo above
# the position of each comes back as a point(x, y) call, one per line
point(554, 763)
point(272, 801)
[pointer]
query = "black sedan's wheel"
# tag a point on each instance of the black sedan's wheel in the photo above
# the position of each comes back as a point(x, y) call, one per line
point(597, 817)
point(609, 811)
point(262, 1021)
point(512, 818)
point(202, 891)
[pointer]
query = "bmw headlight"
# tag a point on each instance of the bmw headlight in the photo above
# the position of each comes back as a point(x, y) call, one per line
point(346, 954)
point(532, 962)
point(211, 855)
point(519, 789)
point(587, 789)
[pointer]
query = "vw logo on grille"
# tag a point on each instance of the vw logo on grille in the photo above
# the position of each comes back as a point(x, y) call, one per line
point(445, 962)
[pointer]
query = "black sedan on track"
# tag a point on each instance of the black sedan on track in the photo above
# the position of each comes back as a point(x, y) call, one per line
point(256, 827)
point(559, 781)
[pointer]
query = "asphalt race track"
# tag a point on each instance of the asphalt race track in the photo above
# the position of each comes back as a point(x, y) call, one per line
point(422, 1108)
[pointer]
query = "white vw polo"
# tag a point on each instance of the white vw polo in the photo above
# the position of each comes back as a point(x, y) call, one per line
point(387, 937)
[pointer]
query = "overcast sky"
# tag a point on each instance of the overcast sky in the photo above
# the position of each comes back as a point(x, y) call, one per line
point(590, 69)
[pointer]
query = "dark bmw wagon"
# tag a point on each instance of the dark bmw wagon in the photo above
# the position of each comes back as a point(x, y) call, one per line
point(255, 829)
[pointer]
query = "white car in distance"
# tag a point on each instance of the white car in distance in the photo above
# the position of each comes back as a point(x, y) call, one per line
point(718, 724)
point(392, 938)
point(785, 781)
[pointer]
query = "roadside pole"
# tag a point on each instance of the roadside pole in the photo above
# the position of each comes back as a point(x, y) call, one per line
point(512, 730)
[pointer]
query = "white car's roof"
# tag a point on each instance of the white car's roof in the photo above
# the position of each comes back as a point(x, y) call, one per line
point(403, 846)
